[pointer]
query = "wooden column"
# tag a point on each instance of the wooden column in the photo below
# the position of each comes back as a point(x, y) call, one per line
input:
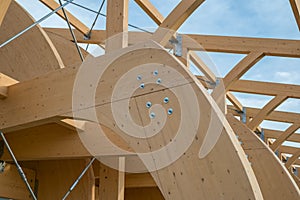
point(121, 181)
point(116, 24)
point(112, 182)
point(108, 185)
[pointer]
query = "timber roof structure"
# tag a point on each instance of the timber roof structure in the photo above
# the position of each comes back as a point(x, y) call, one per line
point(191, 137)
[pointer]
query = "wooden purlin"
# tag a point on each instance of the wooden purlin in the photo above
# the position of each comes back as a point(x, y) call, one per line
point(274, 134)
point(210, 43)
point(278, 116)
point(266, 88)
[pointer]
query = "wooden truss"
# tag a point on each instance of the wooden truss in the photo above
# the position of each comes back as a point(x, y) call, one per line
point(38, 73)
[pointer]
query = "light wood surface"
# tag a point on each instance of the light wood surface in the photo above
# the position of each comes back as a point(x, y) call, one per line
point(33, 49)
point(265, 164)
point(12, 185)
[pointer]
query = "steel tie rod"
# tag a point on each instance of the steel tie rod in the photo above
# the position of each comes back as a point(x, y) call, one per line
point(34, 24)
point(78, 179)
point(22, 174)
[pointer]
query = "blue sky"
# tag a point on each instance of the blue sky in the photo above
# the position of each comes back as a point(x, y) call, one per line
point(253, 18)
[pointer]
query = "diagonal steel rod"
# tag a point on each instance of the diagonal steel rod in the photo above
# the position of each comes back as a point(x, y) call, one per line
point(72, 32)
point(94, 23)
point(34, 24)
point(78, 179)
point(103, 15)
point(22, 174)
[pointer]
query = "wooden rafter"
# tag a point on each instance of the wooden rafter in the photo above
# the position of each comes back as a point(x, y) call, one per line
point(296, 9)
point(292, 159)
point(174, 20)
point(265, 111)
point(152, 12)
point(233, 76)
point(241, 68)
point(284, 136)
point(234, 101)
point(290, 150)
point(72, 19)
point(203, 67)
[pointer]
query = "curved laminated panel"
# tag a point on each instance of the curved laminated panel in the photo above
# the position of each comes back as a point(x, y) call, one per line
point(66, 50)
point(30, 55)
point(222, 173)
point(296, 178)
point(274, 180)
point(188, 173)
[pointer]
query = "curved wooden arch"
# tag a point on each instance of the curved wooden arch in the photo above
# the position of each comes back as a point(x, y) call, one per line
point(66, 50)
point(220, 169)
point(189, 177)
point(30, 55)
point(273, 178)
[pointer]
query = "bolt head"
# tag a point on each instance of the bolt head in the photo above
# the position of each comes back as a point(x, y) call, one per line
point(166, 100)
point(152, 115)
point(148, 104)
point(170, 111)
point(158, 81)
